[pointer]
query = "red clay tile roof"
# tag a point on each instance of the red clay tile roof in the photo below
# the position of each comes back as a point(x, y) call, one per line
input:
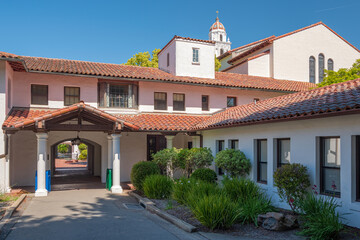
point(246, 60)
point(341, 98)
point(185, 38)
point(8, 55)
point(23, 117)
point(50, 65)
point(163, 122)
point(244, 47)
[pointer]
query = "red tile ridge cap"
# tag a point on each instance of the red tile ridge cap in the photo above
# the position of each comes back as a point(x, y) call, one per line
point(184, 38)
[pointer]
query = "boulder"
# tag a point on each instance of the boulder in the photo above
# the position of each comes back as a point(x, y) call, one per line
point(275, 221)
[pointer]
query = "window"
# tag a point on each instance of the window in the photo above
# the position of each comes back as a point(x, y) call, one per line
point(312, 69)
point(39, 94)
point(231, 101)
point(330, 165)
point(357, 157)
point(283, 151)
point(9, 93)
point(330, 64)
point(71, 95)
point(234, 144)
point(205, 103)
point(155, 143)
point(221, 38)
point(178, 102)
point(115, 95)
point(321, 67)
point(160, 101)
point(196, 55)
point(261, 157)
point(168, 59)
point(220, 145)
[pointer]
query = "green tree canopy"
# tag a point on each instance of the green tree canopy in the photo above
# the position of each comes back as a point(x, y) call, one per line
point(144, 59)
point(342, 75)
point(217, 64)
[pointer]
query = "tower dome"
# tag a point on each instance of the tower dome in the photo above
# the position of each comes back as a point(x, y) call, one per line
point(218, 34)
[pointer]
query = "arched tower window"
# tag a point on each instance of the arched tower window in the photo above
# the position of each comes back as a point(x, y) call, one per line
point(221, 51)
point(221, 38)
point(321, 67)
point(330, 64)
point(312, 69)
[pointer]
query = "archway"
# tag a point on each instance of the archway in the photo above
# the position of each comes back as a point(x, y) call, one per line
point(79, 172)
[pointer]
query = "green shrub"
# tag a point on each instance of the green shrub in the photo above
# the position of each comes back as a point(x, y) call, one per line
point(181, 190)
point(63, 148)
point(320, 218)
point(82, 147)
point(157, 186)
point(292, 182)
point(241, 189)
point(252, 207)
point(198, 190)
point(199, 158)
point(216, 211)
point(234, 162)
point(83, 155)
point(165, 159)
point(140, 171)
point(204, 174)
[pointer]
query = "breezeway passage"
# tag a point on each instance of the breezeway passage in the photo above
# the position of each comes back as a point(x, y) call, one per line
point(91, 214)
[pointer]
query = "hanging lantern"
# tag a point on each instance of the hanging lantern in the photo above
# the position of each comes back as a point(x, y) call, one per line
point(76, 141)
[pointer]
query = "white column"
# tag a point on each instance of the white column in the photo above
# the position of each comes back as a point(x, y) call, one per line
point(116, 188)
point(110, 154)
point(41, 164)
point(169, 141)
point(7, 167)
point(195, 141)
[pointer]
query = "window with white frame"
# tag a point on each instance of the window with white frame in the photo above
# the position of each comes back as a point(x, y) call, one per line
point(261, 159)
point(330, 165)
point(196, 55)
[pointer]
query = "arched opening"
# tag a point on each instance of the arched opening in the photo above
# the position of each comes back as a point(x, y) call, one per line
point(75, 166)
point(221, 37)
point(221, 51)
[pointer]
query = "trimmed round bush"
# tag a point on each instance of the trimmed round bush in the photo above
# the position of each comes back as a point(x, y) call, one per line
point(158, 186)
point(234, 162)
point(140, 171)
point(204, 174)
point(83, 154)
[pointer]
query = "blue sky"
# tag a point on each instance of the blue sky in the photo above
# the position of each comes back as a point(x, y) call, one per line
point(112, 31)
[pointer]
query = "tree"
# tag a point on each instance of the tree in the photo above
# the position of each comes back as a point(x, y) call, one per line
point(144, 59)
point(217, 64)
point(63, 148)
point(342, 75)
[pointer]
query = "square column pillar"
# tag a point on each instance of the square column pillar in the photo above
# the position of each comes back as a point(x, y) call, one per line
point(169, 141)
point(7, 166)
point(41, 164)
point(116, 188)
point(195, 141)
point(110, 152)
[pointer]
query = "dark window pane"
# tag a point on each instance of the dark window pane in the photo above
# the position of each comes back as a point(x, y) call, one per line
point(231, 101)
point(160, 101)
point(262, 177)
point(220, 145)
point(321, 67)
point(178, 102)
point(330, 165)
point(205, 103)
point(312, 69)
point(39, 94)
point(71, 95)
point(330, 64)
point(262, 160)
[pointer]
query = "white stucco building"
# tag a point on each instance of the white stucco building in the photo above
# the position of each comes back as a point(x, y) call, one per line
point(218, 34)
point(301, 55)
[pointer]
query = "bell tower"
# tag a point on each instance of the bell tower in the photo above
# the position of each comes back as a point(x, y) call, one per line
point(218, 34)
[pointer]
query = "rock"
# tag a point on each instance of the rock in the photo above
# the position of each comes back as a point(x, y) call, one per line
point(274, 221)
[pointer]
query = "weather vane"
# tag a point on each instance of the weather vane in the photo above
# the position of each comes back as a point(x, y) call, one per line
point(217, 14)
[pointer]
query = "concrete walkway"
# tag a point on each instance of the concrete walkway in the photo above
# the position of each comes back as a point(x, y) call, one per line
point(91, 214)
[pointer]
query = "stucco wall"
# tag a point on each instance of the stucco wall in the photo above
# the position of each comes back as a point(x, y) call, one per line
point(291, 53)
point(260, 66)
point(241, 69)
point(171, 49)
point(217, 96)
point(22, 88)
point(304, 137)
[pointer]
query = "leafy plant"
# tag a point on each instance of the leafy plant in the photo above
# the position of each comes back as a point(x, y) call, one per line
point(83, 154)
point(292, 182)
point(63, 148)
point(233, 162)
point(204, 174)
point(82, 147)
point(198, 190)
point(320, 218)
point(252, 207)
point(241, 189)
point(342, 75)
point(198, 158)
point(216, 211)
point(157, 186)
point(182, 187)
point(140, 171)
point(165, 159)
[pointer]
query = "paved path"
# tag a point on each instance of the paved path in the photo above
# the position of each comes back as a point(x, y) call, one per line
point(91, 214)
